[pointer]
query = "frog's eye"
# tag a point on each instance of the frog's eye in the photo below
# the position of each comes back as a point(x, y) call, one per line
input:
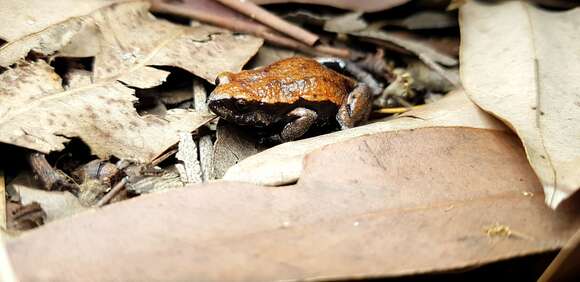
point(222, 78)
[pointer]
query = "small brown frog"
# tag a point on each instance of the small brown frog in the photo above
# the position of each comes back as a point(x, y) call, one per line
point(290, 97)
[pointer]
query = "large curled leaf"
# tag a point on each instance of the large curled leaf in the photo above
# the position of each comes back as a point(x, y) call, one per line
point(521, 64)
point(389, 204)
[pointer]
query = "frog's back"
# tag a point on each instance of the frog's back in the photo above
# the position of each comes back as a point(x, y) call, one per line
point(288, 81)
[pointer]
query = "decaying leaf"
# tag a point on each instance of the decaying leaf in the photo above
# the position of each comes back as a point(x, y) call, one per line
point(232, 146)
point(346, 23)
point(385, 205)
point(423, 49)
point(361, 5)
point(520, 63)
point(426, 20)
point(128, 42)
point(36, 112)
point(42, 26)
point(56, 204)
point(284, 163)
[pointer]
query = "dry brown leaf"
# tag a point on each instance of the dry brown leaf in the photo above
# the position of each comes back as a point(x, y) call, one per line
point(361, 5)
point(231, 146)
point(268, 55)
point(99, 109)
point(423, 48)
point(42, 26)
point(284, 163)
point(126, 41)
point(56, 204)
point(363, 209)
point(346, 23)
point(426, 20)
point(520, 63)
point(39, 114)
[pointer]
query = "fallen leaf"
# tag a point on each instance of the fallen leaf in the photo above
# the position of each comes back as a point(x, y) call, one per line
point(268, 55)
point(350, 22)
point(42, 26)
point(283, 164)
point(231, 146)
point(56, 204)
point(376, 206)
point(131, 41)
point(39, 114)
point(361, 5)
point(421, 47)
point(520, 63)
point(426, 20)
point(189, 167)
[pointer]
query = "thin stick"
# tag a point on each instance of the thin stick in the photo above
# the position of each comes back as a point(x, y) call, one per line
point(113, 192)
point(227, 18)
point(3, 223)
point(256, 12)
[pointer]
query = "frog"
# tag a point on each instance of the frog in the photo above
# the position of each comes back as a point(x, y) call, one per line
point(289, 98)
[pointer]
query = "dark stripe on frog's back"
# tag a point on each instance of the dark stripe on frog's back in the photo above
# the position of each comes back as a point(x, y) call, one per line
point(326, 111)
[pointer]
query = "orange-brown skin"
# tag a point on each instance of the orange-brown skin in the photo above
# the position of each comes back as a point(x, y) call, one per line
point(287, 81)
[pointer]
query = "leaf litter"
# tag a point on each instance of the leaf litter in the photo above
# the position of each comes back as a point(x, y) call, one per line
point(61, 61)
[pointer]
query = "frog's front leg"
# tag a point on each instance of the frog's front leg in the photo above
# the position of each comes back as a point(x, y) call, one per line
point(355, 107)
point(294, 129)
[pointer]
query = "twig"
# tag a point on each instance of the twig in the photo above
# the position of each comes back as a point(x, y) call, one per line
point(3, 222)
point(256, 12)
point(113, 192)
point(398, 110)
point(215, 13)
point(50, 178)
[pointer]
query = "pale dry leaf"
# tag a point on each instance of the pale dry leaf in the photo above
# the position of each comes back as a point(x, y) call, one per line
point(520, 63)
point(346, 23)
point(133, 41)
point(56, 204)
point(415, 45)
point(127, 41)
point(232, 145)
point(283, 164)
point(42, 26)
point(376, 206)
point(37, 113)
point(187, 154)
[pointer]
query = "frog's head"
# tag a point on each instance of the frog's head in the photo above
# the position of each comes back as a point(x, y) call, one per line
point(231, 101)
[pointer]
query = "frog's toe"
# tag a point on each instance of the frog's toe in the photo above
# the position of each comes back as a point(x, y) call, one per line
point(356, 107)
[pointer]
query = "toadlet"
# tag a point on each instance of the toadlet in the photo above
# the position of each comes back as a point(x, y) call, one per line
point(290, 97)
